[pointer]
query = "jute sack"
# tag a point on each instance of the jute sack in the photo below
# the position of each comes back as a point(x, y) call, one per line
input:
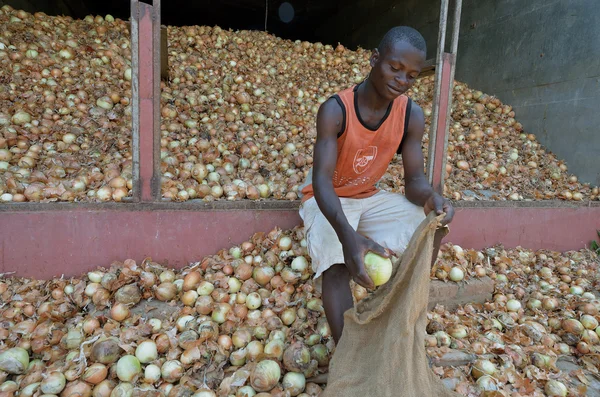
point(382, 350)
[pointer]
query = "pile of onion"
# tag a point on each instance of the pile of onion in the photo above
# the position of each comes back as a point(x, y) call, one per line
point(237, 118)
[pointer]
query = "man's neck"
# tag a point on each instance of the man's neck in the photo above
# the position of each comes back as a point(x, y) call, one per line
point(370, 99)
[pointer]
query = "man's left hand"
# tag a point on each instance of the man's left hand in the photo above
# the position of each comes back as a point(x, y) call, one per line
point(440, 205)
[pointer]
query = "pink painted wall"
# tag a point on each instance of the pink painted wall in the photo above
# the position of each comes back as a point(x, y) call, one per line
point(45, 244)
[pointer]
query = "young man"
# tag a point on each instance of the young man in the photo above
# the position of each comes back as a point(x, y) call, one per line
point(358, 133)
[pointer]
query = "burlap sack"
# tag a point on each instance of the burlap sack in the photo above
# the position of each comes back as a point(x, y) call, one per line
point(382, 350)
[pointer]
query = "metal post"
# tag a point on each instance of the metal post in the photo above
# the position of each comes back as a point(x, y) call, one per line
point(444, 81)
point(135, 100)
point(146, 100)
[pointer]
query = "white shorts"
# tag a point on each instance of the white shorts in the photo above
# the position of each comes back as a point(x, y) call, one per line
point(387, 218)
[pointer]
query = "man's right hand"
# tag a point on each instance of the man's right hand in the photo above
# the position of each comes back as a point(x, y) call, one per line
point(356, 246)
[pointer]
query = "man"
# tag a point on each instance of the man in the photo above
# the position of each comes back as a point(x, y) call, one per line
point(358, 133)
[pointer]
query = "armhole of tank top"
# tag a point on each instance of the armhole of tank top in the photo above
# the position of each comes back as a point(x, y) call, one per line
point(406, 121)
point(339, 101)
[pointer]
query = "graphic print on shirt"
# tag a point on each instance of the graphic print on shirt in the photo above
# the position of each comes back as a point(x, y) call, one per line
point(364, 158)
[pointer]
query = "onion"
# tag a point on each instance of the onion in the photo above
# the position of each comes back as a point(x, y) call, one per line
point(294, 383)
point(77, 389)
point(320, 353)
point(156, 324)
point(299, 264)
point(589, 322)
point(483, 367)
point(555, 388)
point(189, 298)
point(205, 288)
point(265, 375)
point(274, 349)
point(119, 312)
point(513, 305)
point(262, 275)
point(172, 371)
point(238, 357)
point(576, 290)
point(184, 322)
point(124, 389)
point(486, 383)
point(106, 351)
point(234, 285)
point(165, 291)
point(128, 294)
point(285, 243)
point(253, 301)
point(573, 326)
point(14, 360)
point(456, 274)
point(245, 391)
point(128, 368)
point(53, 383)
point(95, 373)
point(191, 281)
point(296, 357)
point(254, 349)
point(146, 352)
point(21, 117)
point(458, 332)
point(152, 374)
point(378, 268)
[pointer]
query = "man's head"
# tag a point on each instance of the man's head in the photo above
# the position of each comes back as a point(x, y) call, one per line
point(397, 61)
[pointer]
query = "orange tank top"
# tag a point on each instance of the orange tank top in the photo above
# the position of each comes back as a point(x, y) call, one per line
point(363, 153)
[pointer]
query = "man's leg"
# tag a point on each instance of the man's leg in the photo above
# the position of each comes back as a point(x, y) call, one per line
point(337, 297)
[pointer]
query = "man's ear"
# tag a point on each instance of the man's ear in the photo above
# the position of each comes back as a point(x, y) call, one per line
point(374, 57)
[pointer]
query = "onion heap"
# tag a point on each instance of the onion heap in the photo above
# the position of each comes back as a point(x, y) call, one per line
point(545, 310)
point(65, 113)
point(237, 118)
point(249, 320)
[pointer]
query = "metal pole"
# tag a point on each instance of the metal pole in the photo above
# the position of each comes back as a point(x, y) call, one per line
point(437, 93)
point(454, 49)
point(156, 46)
point(135, 100)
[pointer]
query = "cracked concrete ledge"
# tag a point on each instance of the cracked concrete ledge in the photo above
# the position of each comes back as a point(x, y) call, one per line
point(262, 205)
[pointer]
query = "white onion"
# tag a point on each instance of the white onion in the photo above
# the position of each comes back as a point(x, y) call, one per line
point(513, 305)
point(146, 352)
point(576, 290)
point(285, 243)
point(555, 388)
point(156, 324)
point(253, 301)
point(265, 376)
point(205, 288)
point(483, 367)
point(152, 373)
point(53, 383)
point(14, 360)
point(294, 383)
point(299, 264)
point(128, 368)
point(456, 274)
point(589, 322)
point(234, 285)
point(182, 322)
point(171, 371)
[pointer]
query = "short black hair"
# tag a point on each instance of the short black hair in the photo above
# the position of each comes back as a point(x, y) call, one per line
point(402, 33)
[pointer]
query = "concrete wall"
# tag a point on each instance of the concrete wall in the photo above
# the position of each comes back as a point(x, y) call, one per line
point(540, 56)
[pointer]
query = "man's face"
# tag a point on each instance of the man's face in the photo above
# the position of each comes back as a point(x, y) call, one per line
point(396, 70)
